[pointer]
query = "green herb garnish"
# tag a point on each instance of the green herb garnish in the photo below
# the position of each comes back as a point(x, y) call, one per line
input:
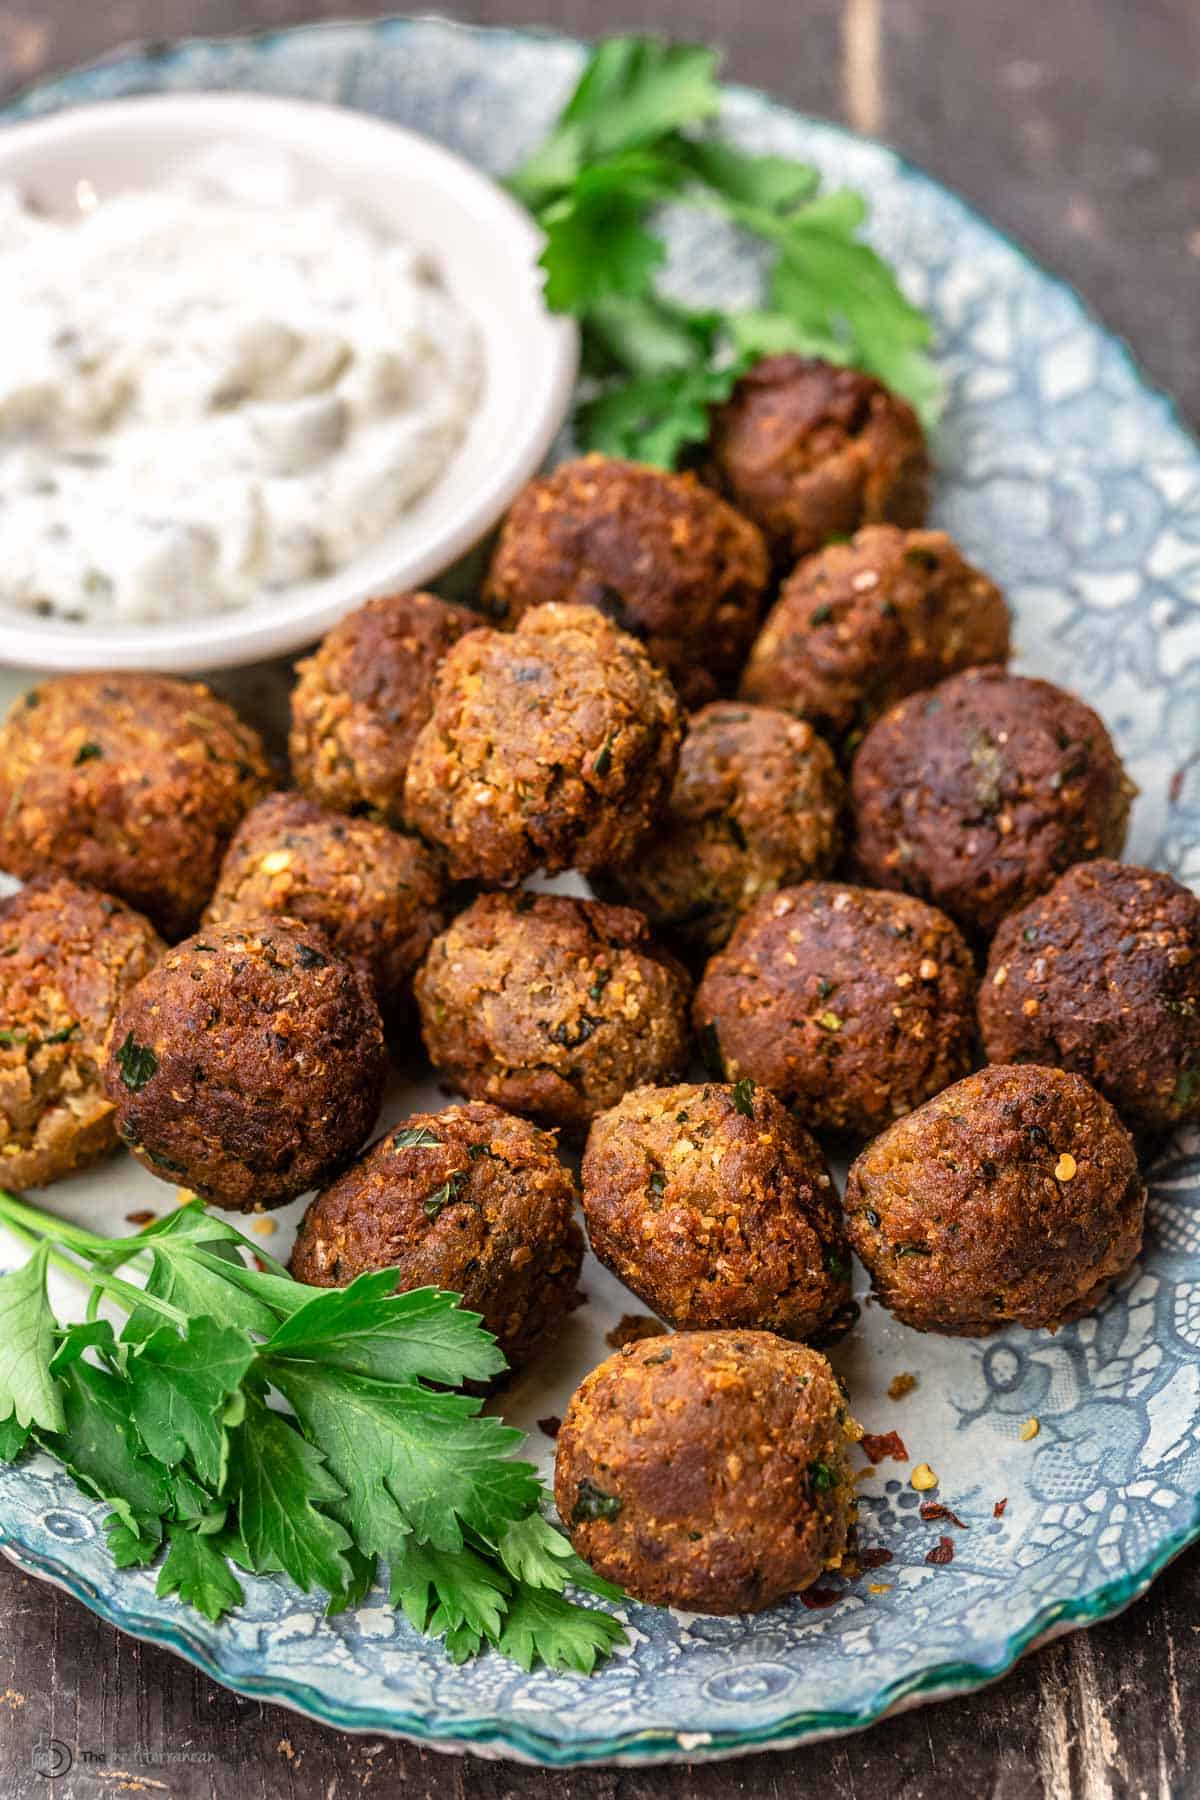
point(87, 753)
point(376, 1459)
point(822, 1477)
point(743, 1097)
point(412, 1137)
point(640, 131)
point(445, 1195)
point(137, 1063)
point(592, 1502)
point(603, 762)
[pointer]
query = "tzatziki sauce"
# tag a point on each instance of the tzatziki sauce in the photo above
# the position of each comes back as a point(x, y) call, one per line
point(213, 389)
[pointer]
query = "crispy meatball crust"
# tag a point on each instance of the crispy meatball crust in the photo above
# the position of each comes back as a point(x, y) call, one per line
point(853, 1006)
point(662, 556)
point(858, 626)
point(552, 1006)
point(469, 1199)
point(756, 805)
point(1012, 1198)
point(1102, 976)
point(978, 794)
point(67, 956)
point(708, 1470)
point(810, 451)
point(552, 747)
point(362, 698)
point(717, 1209)
point(131, 783)
point(248, 1065)
point(378, 896)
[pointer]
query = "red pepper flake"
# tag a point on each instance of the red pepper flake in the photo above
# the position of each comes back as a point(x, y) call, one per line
point(998, 1509)
point(631, 1328)
point(875, 1559)
point(943, 1552)
point(551, 1426)
point(816, 1598)
point(933, 1509)
point(878, 1446)
point(140, 1218)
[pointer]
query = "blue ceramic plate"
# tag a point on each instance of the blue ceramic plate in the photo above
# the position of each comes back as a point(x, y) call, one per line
point(1075, 486)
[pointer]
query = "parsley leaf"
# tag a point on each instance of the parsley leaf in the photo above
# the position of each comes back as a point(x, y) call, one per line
point(28, 1392)
point(460, 1597)
point(633, 91)
point(99, 1444)
point(198, 1573)
point(542, 1625)
point(408, 1459)
point(637, 133)
point(653, 418)
point(185, 1393)
point(169, 1425)
point(281, 1486)
point(370, 1329)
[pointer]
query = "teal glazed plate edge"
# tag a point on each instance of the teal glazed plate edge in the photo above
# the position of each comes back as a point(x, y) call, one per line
point(1075, 485)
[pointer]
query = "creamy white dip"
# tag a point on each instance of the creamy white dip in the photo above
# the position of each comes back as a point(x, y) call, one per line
point(213, 388)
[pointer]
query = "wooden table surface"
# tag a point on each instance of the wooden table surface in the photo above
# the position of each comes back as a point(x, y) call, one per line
point(1073, 124)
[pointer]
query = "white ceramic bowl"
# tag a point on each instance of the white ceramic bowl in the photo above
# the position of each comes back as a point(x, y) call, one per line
point(486, 248)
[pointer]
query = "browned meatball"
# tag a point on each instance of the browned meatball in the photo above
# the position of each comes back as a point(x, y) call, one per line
point(552, 1006)
point(810, 451)
point(378, 896)
point(859, 625)
point(1102, 976)
point(717, 1208)
point(248, 1065)
point(132, 783)
point(978, 794)
point(665, 558)
point(362, 697)
point(67, 956)
point(553, 747)
point(708, 1470)
point(852, 1005)
point(756, 804)
point(1012, 1198)
point(470, 1200)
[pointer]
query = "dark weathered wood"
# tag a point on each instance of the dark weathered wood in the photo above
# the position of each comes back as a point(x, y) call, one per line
point(1074, 124)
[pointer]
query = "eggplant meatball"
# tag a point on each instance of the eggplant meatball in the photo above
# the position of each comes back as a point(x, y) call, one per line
point(665, 558)
point(978, 794)
point(248, 1065)
point(708, 1470)
point(551, 747)
point(378, 896)
point(362, 698)
point(810, 451)
point(1102, 976)
point(756, 804)
point(717, 1209)
point(470, 1200)
point(552, 1006)
point(853, 1006)
point(859, 625)
point(131, 783)
point(68, 955)
point(1013, 1198)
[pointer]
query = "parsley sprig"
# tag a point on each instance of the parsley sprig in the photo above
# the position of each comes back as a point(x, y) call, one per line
point(240, 1420)
point(638, 132)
